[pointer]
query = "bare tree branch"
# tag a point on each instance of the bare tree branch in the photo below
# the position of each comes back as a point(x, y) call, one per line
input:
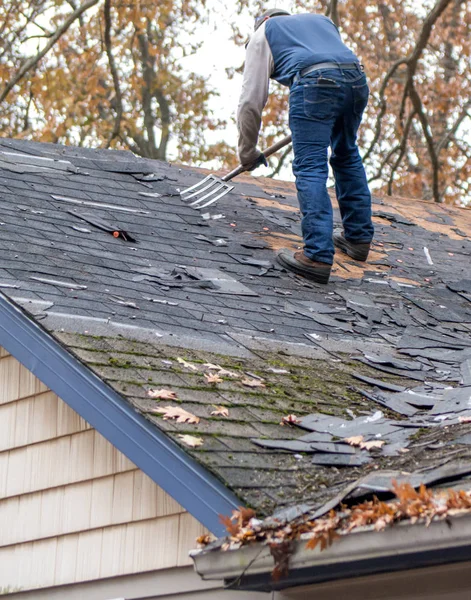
point(33, 61)
point(403, 149)
point(165, 119)
point(333, 12)
point(411, 61)
point(281, 161)
point(419, 109)
point(148, 76)
point(443, 143)
point(114, 74)
point(384, 162)
point(383, 104)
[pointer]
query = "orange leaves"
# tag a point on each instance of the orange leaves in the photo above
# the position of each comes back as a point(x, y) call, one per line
point(204, 540)
point(236, 524)
point(415, 504)
point(410, 505)
point(177, 413)
point(323, 531)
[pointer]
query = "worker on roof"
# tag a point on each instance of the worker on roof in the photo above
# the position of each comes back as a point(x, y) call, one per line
point(328, 95)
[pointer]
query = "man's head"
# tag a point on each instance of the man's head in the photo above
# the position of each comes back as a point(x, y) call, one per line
point(272, 12)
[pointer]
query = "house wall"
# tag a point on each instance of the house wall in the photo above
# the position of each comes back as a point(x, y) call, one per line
point(73, 508)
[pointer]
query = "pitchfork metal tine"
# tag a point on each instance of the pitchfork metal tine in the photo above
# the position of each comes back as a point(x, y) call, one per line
point(225, 190)
point(198, 187)
point(218, 186)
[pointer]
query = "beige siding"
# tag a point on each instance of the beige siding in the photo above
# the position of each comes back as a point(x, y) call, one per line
point(170, 584)
point(72, 507)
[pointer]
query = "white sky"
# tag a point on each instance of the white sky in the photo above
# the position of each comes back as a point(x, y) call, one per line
point(219, 53)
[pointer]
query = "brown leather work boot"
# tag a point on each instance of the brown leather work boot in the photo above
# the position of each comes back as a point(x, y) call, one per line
point(355, 251)
point(300, 264)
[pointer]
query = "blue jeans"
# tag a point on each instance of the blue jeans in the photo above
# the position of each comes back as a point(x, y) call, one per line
point(326, 108)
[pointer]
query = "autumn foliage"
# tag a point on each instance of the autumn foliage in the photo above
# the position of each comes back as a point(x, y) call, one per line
point(105, 73)
point(416, 138)
point(108, 73)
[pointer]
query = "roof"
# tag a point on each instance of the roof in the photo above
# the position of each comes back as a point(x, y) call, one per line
point(173, 284)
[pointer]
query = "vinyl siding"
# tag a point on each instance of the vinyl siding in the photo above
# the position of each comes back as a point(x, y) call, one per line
point(73, 508)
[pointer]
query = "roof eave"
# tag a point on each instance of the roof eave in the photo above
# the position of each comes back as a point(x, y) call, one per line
point(366, 552)
point(150, 449)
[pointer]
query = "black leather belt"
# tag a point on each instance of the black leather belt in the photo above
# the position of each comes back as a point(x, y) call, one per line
point(325, 65)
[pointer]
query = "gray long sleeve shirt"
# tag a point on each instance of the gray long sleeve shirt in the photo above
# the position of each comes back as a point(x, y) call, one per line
point(280, 48)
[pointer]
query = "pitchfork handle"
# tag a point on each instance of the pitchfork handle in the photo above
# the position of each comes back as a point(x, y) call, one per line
point(268, 152)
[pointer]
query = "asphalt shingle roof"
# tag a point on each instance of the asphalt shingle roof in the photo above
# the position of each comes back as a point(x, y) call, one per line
point(130, 309)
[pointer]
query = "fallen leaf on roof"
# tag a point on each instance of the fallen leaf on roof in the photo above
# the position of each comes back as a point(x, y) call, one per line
point(253, 383)
point(162, 394)
point(226, 373)
point(187, 365)
point(221, 411)
point(212, 367)
point(358, 441)
point(464, 419)
point(212, 378)
point(377, 444)
point(290, 420)
point(178, 413)
point(222, 372)
point(191, 441)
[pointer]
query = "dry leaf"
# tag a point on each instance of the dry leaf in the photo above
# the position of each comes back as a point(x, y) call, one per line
point(175, 412)
point(162, 394)
point(356, 440)
point(253, 383)
point(290, 420)
point(226, 373)
point(221, 411)
point(186, 364)
point(222, 372)
point(205, 539)
point(464, 419)
point(212, 367)
point(191, 441)
point(359, 442)
point(372, 445)
point(212, 378)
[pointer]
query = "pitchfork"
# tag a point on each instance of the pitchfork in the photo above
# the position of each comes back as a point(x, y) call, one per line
point(211, 188)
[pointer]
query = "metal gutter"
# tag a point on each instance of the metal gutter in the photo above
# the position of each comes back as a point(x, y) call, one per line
point(367, 552)
point(181, 476)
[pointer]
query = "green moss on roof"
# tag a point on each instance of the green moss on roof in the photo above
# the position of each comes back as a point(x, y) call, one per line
point(264, 479)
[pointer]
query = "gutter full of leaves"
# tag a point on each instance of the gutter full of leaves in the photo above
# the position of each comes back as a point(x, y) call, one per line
point(409, 507)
